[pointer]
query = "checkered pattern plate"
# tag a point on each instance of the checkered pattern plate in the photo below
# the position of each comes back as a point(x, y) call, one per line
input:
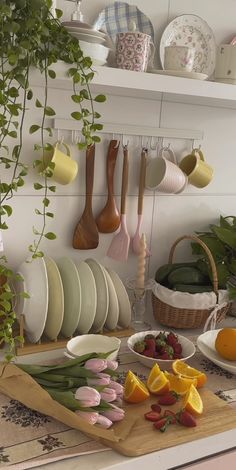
point(116, 18)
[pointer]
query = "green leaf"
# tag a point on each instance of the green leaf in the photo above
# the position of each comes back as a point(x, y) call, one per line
point(38, 104)
point(52, 188)
point(58, 12)
point(225, 235)
point(38, 186)
point(3, 226)
point(46, 202)
point(76, 115)
point(49, 214)
point(49, 111)
point(37, 212)
point(29, 95)
point(50, 236)
point(7, 209)
point(34, 128)
point(100, 98)
point(52, 73)
point(95, 138)
point(13, 134)
point(20, 182)
point(76, 98)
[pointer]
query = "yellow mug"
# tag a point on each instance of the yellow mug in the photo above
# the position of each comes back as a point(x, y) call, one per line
point(199, 173)
point(65, 168)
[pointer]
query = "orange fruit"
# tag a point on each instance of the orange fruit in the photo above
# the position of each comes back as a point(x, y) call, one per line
point(155, 371)
point(135, 391)
point(158, 384)
point(180, 384)
point(181, 368)
point(192, 401)
point(225, 343)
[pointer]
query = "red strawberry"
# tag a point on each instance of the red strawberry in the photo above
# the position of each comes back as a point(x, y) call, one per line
point(186, 419)
point(171, 339)
point(177, 356)
point(169, 398)
point(148, 353)
point(165, 356)
point(156, 407)
point(177, 348)
point(171, 414)
point(152, 416)
point(150, 344)
point(163, 423)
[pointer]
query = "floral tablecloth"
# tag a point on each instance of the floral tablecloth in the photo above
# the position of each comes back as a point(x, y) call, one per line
point(29, 439)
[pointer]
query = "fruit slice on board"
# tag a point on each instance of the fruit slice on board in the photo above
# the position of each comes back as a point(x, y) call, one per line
point(183, 369)
point(155, 371)
point(180, 384)
point(135, 391)
point(193, 402)
point(159, 385)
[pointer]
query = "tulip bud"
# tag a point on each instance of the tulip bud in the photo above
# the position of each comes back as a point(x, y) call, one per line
point(96, 365)
point(112, 364)
point(104, 422)
point(114, 414)
point(90, 416)
point(100, 379)
point(108, 394)
point(87, 397)
point(117, 387)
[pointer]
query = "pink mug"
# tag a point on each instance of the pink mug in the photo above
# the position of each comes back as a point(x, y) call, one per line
point(164, 175)
point(134, 51)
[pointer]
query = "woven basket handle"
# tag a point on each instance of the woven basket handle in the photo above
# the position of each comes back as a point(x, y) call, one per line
point(206, 249)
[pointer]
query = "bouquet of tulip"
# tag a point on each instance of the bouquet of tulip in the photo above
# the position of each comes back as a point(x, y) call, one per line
point(86, 385)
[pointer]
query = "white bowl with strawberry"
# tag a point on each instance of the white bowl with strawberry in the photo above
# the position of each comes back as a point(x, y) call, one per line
point(161, 347)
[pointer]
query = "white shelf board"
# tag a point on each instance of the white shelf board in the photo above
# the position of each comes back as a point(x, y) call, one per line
point(120, 82)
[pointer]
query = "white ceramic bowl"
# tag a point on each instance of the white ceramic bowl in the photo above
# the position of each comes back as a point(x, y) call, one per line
point(188, 350)
point(85, 344)
point(97, 52)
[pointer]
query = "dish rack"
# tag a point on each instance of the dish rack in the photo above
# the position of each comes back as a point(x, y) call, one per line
point(45, 344)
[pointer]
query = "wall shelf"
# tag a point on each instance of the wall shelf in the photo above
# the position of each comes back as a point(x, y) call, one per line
point(148, 86)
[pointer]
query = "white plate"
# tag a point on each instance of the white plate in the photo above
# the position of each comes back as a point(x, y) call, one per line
point(88, 37)
point(88, 298)
point(55, 300)
point(102, 295)
point(113, 307)
point(86, 344)
point(35, 308)
point(91, 32)
point(124, 319)
point(116, 18)
point(206, 344)
point(72, 295)
point(181, 73)
point(192, 31)
point(77, 24)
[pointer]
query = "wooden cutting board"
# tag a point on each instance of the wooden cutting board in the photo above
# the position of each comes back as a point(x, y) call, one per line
point(217, 417)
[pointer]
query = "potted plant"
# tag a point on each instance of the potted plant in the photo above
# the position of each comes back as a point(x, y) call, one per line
point(31, 37)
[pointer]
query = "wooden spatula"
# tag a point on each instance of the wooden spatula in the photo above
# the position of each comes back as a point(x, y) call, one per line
point(86, 235)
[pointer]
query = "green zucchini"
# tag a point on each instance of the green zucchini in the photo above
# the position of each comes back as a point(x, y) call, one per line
point(192, 289)
point(186, 275)
point(163, 272)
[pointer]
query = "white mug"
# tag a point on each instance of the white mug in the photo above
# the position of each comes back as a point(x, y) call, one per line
point(164, 175)
point(179, 58)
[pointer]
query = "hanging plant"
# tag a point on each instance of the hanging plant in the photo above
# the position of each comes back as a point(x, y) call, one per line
point(30, 36)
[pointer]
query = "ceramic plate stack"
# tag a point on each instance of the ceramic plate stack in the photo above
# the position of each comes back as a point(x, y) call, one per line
point(92, 42)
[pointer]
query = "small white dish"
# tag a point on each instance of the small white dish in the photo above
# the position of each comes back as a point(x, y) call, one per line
point(181, 73)
point(188, 350)
point(88, 298)
point(34, 309)
point(90, 38)
point(124, 319)
point(206, 344)
point(85, 344)
point(102, 295)
point(55, 300)
point(113, 307)
point(92, 32)
point(72, 295)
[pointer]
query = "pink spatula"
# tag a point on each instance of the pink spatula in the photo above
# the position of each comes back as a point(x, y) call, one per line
point(119, 247)
point(142, 175)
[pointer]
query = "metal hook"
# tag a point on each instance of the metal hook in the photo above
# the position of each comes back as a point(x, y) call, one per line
point(123, 144)
point(142, 143)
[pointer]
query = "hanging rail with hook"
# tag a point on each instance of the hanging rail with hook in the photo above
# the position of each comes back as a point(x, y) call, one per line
point(129, 130)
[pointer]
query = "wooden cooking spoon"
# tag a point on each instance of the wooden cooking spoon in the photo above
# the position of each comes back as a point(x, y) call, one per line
point(108, 220)
point(86, 235)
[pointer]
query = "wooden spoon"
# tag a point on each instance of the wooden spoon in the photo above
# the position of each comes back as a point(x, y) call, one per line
point(86, 235)
point(108, 220)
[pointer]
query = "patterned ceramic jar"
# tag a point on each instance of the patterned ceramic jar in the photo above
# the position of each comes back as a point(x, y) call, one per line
point(134, 51)
point(179, 58)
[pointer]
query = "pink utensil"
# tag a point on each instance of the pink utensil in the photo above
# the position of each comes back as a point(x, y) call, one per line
point(119, 247)
point(136, 241)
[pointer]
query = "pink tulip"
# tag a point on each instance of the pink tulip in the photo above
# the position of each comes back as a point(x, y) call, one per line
point(100, 379)
point(108, 394)
point(112, 364)
point(104, 422)
point(87, 397)
point(90, 417)
point(96, 365)
point(114, 414)
point(117, 387)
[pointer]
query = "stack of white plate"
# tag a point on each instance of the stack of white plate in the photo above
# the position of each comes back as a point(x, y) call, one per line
point(67, 299)
point(92, 42)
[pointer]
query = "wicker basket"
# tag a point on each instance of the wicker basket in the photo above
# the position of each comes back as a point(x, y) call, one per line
point(182, 317)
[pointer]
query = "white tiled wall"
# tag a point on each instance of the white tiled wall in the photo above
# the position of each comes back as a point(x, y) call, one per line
point(165, 216)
